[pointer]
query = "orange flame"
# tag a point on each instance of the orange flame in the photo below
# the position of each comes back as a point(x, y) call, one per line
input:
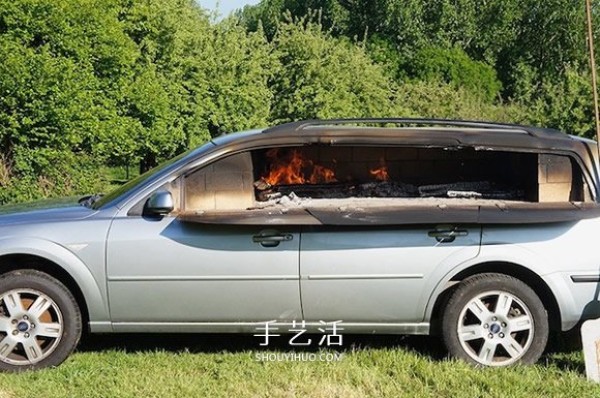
point(380, 173)
point(322, 175)
point(292, 167)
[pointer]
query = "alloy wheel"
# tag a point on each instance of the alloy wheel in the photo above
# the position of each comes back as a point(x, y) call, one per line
point(495, 328)
point(31, 326)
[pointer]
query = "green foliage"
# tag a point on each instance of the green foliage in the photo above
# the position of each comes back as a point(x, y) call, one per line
point(453, 66)
point(321, 77)
point(482, 46)
point(90, 85)
point(268, 14)
point(238, 68)
point(117, 82)
point(62, 174)
point(564, 104)
point(446, 101)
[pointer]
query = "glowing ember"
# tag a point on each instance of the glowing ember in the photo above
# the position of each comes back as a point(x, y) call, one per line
point(292, 167)
point(380, 173)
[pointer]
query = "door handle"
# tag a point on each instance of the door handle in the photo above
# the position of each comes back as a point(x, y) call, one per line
point(271, 238)
point(447, 235)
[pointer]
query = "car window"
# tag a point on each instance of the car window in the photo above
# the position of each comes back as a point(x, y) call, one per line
point(123, 189)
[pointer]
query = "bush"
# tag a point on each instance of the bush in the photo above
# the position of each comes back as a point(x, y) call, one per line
point(62, 176)
point(455, 67)
point(442, 100)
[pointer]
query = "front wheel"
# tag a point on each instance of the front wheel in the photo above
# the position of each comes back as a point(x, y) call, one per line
point(40, 322)
point(495, 320)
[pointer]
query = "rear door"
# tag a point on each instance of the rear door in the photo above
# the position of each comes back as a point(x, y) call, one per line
point(377, 275)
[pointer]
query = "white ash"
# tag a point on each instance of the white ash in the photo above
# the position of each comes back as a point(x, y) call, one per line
point(464, 194)
point(293, 201)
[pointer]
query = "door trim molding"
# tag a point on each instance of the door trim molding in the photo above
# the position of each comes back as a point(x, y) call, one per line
point(202, 278)
point(365, 276)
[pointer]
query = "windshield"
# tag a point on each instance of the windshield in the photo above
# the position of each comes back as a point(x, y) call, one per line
point(136, 181)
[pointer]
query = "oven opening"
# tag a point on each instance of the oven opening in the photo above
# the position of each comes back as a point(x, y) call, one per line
point(384, 184)
point(325, 172)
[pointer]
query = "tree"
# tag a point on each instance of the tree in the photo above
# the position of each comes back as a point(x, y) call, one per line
point(318, 76)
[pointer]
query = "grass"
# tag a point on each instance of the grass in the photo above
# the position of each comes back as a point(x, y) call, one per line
point(210, 365)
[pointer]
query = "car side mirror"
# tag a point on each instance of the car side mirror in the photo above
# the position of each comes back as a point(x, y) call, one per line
point(160, 203)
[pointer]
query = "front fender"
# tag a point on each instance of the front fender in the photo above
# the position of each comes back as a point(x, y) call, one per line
point(97, 307)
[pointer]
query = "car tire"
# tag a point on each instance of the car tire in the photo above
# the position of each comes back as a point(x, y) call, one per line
point(40, 321)
point(495, 320)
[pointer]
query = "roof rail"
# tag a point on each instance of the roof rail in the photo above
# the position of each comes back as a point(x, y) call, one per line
point(301, 125)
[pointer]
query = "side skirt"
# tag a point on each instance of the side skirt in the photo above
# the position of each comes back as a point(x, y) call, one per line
point(421, 328)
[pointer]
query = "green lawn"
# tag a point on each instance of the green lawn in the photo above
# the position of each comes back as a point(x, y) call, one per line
point(200, 366)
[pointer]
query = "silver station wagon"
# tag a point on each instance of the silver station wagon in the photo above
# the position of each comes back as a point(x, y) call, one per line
point(482, 233)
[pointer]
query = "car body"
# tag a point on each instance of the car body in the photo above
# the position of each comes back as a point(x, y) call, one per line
point(133, 267)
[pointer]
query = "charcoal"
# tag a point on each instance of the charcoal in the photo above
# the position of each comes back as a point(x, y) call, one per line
point(441, 190)
point(505, 194)
point(383, 189)
point(261, 185)
point(386, 189)
point(330, 191)
point(390, 189)
point(474, 189)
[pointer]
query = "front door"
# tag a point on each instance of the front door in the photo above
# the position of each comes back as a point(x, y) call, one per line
point(167, 270)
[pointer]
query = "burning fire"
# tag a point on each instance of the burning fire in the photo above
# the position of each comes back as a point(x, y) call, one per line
point(380, 173)
point(321, 175)
point(292, 167)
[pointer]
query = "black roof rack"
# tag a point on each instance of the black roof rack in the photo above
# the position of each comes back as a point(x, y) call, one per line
point(533, 131)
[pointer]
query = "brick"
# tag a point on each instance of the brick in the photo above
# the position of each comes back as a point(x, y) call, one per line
point(220, 181)
point(350, 171)
point(554, 192)
point(235, 163)
point(366, 154)
point(196, 181)
point(559, 172)
point(542, 173)
point(413, 171)
point(195, 202)
point(248, 181)
point(312, 152)
point(435, 154)
point(392, 154)
point(233, 200)
point(339, 154)
point(448, 170)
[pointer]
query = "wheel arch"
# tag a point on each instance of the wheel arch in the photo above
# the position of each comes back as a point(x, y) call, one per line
point(524, 274)
point(20, 261)
point(62, 264)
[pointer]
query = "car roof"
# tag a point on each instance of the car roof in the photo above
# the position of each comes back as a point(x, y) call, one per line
point(421, 124)
point(412, 131)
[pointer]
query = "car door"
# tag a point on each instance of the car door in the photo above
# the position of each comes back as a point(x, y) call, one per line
point(166, 270)
point(377, 275)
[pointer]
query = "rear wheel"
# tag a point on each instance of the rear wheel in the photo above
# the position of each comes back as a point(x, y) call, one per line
point(40, 322)
point(495, 320)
